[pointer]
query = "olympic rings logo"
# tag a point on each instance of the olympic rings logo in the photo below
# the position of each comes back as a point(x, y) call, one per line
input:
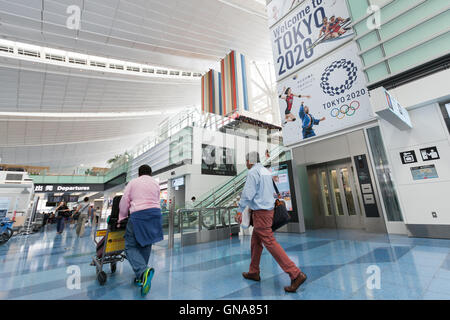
point(345, 110)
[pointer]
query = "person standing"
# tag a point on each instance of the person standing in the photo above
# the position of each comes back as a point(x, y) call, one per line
point(61, 211)
point(97, 215)
point(45, 219)
point(258, 196)
point(83, 208)
point(144, 228)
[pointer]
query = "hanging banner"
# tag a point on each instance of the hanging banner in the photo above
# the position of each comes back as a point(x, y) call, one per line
point(325, 97)
point(308, 32)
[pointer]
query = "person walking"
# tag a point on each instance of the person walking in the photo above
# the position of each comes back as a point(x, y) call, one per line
point(97, 215)
point(258, 195)
point(61, 212)
point(144, 228)
point(45, 219)
point(83, 208)
point(190, 204)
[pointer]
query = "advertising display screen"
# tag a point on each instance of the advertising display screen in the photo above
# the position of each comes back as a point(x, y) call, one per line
point(218, 161)
point(308, 32)
point(178, 182)
point(333, 97)
point(280, 175)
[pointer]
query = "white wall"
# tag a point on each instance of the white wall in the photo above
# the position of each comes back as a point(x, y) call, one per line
point(335, 148)
point(14, 195)
point(420, 198)
point(17, 201)
point(424, 91)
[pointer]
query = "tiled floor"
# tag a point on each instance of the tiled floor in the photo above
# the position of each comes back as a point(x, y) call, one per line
point(336, 262)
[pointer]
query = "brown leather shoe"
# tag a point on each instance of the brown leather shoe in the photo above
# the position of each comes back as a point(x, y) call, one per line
point(297, 282)
point(251, 276)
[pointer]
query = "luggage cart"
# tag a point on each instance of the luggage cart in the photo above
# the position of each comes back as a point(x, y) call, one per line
point(111, 252)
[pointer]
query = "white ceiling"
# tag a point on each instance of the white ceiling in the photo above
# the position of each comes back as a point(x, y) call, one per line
point(185, 34)
point(174, 33)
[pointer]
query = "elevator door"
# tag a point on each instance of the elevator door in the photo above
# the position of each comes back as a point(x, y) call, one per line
point(338, 196)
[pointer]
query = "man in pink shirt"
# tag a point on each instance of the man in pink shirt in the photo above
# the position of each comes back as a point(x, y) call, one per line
point(142, 199)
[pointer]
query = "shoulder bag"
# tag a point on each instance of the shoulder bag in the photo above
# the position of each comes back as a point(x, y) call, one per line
point(281, 216)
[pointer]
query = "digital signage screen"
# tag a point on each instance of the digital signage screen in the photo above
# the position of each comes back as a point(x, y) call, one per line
point(280, 176)
point(218, 160)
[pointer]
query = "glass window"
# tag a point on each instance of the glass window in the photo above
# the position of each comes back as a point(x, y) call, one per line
point(348, 192)
point(336, 193)
point(445, 109)
point(326, 194)
point(383, 172)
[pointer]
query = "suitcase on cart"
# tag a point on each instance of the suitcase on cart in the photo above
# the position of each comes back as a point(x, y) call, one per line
point(112, 223)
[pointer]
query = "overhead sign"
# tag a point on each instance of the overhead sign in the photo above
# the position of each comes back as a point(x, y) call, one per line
point(408, 157)
point(338, 97)
point(308, 32)
point(178, 182)
point(388, 108)
point(68, 187)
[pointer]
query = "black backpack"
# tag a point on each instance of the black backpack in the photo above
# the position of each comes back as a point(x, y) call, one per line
point(114, 217)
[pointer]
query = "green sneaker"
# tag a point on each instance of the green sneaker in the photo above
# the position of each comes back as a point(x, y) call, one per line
point(147, 281)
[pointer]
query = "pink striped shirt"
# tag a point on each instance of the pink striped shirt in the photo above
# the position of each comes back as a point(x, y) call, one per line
point(140, 194)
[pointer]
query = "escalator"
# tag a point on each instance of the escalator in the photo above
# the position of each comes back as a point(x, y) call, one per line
point(212, 218)
point(228, 193)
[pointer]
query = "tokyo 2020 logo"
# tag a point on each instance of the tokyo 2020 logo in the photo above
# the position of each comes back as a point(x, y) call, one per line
point(345, 110)
point(350, 69)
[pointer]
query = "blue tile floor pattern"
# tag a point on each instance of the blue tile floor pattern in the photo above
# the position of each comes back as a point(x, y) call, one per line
point(336, 262)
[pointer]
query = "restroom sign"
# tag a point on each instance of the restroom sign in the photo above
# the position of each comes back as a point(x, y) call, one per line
point(408, 157)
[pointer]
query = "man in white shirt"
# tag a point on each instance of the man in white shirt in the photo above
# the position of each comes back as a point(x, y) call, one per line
point(83, 208)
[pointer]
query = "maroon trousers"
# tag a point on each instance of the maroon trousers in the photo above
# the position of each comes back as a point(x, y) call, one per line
point(263, 235)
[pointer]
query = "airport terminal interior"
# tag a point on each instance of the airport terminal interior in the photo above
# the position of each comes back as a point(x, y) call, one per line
point(160, 130)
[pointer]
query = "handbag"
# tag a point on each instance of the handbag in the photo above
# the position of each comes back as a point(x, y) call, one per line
point(281, 216)
point(246, 217)
point(77, 215)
